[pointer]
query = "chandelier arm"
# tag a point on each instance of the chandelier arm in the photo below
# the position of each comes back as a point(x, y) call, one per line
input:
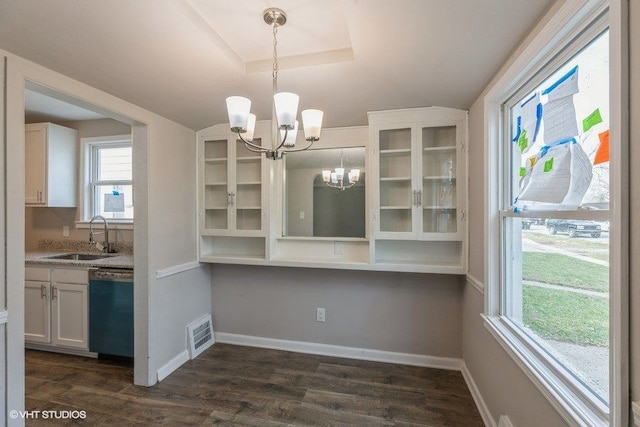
point(340, 187)
point(297, 149)
point(284, 138)
point(251, 146)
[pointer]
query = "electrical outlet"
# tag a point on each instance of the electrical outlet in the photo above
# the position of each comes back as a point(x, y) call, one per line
point(65, 231)
point(320, 315)
point(301, 214)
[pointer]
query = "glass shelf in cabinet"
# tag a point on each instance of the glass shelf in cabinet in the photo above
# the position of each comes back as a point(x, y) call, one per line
point(395, 152)
point(444, 148)
point(395, 178)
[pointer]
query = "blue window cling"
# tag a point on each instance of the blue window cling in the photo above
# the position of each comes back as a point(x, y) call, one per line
point(528, 123)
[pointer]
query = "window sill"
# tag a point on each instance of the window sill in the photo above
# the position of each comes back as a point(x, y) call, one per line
point(569, 397)
point(113, 224)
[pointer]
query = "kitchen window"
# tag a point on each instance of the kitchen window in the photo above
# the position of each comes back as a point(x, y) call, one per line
point(550, 262)
point(108, 178)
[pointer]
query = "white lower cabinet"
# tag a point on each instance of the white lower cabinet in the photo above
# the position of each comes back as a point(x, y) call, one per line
point(57, 307)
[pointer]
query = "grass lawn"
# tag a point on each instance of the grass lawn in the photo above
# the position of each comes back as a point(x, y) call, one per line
point(566, 316)
point(564, 270)
point(586, 246)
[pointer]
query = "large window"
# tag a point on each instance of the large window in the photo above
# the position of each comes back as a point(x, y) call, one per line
point(556, 222)
point(552, 210)
point(109, 178)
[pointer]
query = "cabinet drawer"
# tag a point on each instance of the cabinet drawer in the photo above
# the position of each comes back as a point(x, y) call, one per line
point(61, 275)
point(37, 274)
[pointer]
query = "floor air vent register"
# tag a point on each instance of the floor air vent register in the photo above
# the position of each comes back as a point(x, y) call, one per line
point(200, 334)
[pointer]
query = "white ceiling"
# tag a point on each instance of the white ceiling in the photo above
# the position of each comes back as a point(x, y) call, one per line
point(182, 58)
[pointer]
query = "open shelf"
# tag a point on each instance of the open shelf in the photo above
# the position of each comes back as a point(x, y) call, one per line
point(232, 247)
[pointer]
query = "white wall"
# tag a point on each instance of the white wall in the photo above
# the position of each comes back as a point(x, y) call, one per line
point(5, 399)
point(165, 225)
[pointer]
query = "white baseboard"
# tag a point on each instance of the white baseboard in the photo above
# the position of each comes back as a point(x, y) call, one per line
point(172, 365)
point(341, 351)
point(477, 397)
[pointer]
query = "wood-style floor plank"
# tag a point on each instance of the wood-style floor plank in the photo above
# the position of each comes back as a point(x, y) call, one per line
point(243, 386)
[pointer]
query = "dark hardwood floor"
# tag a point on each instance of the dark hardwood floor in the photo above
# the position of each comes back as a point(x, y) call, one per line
point(244, 386)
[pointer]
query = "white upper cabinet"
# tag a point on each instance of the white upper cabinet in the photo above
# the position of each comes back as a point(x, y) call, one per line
point(418, 159)
point(51, 164)
point(233, 195)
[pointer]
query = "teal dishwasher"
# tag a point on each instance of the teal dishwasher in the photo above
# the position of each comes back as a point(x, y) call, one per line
point(111, 312)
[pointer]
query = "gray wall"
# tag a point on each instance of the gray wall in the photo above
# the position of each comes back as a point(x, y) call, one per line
point(300, 199)
point(635, 197)
point(398, 312)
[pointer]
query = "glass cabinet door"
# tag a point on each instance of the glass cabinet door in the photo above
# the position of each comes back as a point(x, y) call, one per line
point(397, 196)
point(438, 194)
point(217, 198)
point(246, 200)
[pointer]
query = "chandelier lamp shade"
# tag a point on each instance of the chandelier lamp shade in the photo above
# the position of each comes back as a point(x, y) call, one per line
point(336, 178)
point(284, 109)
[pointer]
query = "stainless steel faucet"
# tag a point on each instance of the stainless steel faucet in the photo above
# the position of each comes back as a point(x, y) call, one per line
point(92, 233)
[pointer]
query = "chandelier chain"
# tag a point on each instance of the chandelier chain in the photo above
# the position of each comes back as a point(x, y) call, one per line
point(274, 72)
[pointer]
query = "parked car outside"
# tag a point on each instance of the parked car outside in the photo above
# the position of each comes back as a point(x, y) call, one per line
point(528, 222)
point(574, 227)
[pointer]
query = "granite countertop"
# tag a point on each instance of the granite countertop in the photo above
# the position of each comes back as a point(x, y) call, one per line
point(123, 258)
point(111, 260)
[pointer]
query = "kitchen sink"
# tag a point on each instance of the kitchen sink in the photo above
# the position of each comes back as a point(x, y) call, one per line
point(79, 257)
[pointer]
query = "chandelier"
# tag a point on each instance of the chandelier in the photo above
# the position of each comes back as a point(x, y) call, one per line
point(284, 109)
point(336, 179)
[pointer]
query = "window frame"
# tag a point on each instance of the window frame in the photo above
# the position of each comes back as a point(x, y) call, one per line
point(547, 48)
point(90, 147)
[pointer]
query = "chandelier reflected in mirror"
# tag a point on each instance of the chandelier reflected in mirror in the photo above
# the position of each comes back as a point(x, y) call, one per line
point(284, 110)
point(336, 178)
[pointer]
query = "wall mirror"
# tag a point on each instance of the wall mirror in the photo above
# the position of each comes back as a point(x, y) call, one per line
point(332, 205)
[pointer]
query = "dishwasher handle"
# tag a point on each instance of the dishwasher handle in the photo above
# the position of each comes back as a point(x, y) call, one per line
point(114, 274)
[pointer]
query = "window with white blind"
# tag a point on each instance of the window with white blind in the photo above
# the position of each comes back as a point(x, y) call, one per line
point(108, 178)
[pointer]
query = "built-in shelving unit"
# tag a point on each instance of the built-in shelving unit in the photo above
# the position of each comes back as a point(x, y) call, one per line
point(418, 161)
point(233, 214)
point(415, 197)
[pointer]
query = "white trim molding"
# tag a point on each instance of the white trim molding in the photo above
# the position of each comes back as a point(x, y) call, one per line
point(505, 421)
point(475, 283)
point(177, 269)
point(477, 397)
point(173, 364)
point(449, 363)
